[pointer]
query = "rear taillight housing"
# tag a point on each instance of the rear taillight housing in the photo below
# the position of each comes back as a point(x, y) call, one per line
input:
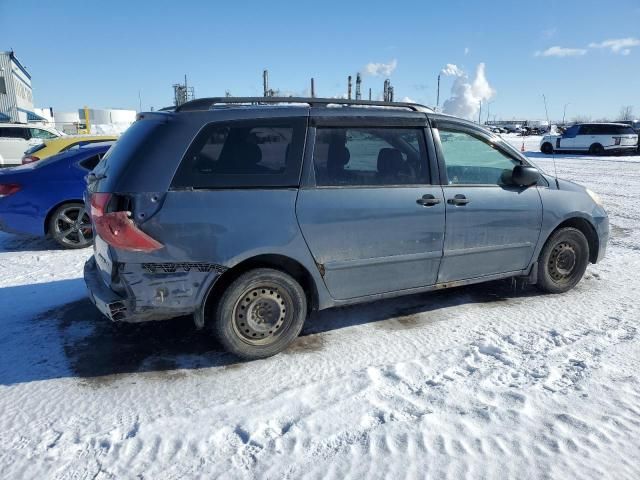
point(7, 189)
point(117, 228)
point(29, 159)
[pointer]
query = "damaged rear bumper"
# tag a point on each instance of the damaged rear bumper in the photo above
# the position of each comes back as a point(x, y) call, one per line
point(149, 293)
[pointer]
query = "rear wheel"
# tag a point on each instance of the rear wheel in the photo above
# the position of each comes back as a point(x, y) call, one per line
point(546, 148)
point(260, 313)
point(70, 226)
point(563, 261)
point(596, 149)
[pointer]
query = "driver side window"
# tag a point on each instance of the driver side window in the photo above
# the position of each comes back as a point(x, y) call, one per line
point(471, 160)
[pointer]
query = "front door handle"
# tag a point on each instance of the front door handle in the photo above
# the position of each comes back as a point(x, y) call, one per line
point(428, 200)
point(458, 200)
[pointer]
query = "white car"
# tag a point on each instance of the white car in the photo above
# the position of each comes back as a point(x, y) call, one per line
point(16, 138)
point(595, 138)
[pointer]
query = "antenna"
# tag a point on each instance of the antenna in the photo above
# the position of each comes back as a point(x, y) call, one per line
point(553, 152)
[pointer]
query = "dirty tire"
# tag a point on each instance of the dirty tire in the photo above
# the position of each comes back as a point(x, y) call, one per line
point(260, 313)
point(596, 149)
point(563, 261)
point(546, 148)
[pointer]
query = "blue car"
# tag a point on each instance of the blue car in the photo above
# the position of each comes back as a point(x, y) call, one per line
point(45, 198)
point(248, 214)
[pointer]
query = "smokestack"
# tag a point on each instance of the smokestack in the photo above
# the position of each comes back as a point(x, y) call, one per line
point(349, 87)
point(390, 93)
point(385, 91)
point(313, 88)
point(369, 93)
point(265, 82)
point(358, 82)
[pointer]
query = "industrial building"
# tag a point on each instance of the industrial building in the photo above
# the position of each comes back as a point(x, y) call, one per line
point(16, 96)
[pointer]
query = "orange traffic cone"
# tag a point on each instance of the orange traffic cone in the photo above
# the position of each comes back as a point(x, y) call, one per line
point(522, 148)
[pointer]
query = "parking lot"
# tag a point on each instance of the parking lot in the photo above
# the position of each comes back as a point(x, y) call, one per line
point(487, 380)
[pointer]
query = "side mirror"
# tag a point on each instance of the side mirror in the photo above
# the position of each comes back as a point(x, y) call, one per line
point(525, 176)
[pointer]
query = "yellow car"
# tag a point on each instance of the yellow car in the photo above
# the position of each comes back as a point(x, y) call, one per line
point(62, 144)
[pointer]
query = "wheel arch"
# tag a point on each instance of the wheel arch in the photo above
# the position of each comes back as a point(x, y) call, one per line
point(47, 217)
point(275, 261)
point(544, 144)
point(595, 144)
point(587, 229)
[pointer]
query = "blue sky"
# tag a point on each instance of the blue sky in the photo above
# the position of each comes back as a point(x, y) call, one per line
point(102, 53)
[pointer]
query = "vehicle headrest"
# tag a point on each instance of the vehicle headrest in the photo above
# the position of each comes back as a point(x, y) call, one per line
point(390, 161)
point(337, 157)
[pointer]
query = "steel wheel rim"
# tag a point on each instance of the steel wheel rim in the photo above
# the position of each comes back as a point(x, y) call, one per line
point(262, 314)
point(72, 227)
point(562, 261)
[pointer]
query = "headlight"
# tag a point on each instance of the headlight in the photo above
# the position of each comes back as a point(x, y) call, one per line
point(595, 197)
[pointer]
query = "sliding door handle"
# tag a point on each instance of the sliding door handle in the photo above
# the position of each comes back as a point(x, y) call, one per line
point(428, 200)
point(458, 200)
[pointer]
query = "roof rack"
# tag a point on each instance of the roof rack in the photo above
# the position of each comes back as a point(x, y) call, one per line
point(208, 103)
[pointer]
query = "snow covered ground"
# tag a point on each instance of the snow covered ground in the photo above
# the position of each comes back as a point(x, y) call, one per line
point(486, 381)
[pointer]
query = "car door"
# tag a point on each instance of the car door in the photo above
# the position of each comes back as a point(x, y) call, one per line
point(492, 227)
point(567, 140)
point(368, 210)
point(585, 137)
point(13, 143)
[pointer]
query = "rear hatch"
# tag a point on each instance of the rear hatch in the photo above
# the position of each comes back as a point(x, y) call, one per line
point(119, 198)
point(626, 137)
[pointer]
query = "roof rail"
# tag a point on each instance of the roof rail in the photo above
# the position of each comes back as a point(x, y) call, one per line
point(208, 103)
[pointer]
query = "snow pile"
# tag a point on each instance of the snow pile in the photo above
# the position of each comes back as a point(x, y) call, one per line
point(467, 95)
point(486, 381)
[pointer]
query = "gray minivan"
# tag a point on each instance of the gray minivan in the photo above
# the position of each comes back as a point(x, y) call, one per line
point(249, 212)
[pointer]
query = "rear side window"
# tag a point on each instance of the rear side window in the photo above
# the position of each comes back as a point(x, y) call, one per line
point(137, 138)
point(91, 162)
point(621, 130)
point(34, 149)
point(14, 132)
point(244, 154)
point(360, 156)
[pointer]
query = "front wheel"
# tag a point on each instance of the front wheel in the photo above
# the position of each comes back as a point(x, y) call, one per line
point(70, 226)
point(260, 313)
point(563, 260)
point(546, 148)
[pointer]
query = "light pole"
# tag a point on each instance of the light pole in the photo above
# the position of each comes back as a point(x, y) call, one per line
point(489, 109)
point(564, 112)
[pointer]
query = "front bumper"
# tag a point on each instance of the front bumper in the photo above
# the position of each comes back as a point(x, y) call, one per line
point(602, 229)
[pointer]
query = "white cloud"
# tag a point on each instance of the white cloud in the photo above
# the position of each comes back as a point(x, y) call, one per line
point(380, 69)
point(466, 50)
point(466, 95)
point(408, 100)
point(621, 46)
point(561, 52)
point(451, 70)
